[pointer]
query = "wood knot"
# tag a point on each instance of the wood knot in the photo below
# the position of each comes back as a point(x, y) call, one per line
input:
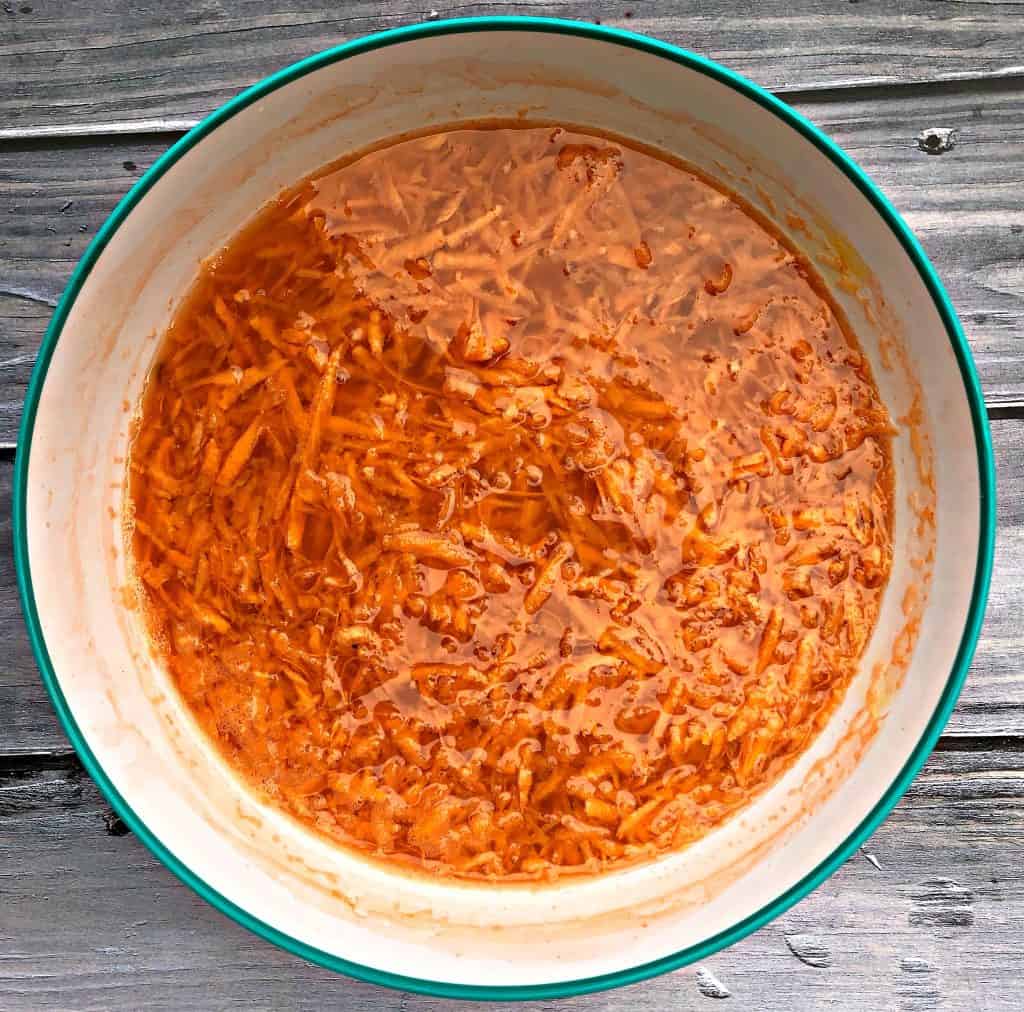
point(941, 903)
point(918, 986)
point(114, 824)
point(710, 986)
point(937, 140)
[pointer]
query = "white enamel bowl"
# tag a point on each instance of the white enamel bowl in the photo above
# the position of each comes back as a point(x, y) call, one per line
point(115, 700)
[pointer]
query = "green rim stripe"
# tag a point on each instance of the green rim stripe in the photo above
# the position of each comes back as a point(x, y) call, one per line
point(982, 438)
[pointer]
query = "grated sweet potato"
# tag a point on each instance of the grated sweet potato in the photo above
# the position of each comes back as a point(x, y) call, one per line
point(510, 502)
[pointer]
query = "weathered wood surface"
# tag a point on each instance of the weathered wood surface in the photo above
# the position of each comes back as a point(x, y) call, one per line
point(72, 64)
point(992, 702)
point(929, 916)
point(964, 204)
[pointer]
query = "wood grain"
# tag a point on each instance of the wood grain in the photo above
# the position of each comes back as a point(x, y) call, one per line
point(27, 721)
point(89, 920)
point(930, 914)
point(126, 63)
point(964, 205)
point(992, 702)
point(23, 320)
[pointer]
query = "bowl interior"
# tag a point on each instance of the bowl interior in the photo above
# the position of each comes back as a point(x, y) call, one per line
point(329, 904)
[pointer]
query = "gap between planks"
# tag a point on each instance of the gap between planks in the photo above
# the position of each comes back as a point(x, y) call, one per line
point(1005, 410)
point(824, 93)
point(996, 412)
point(15, 763)
point(36, 762)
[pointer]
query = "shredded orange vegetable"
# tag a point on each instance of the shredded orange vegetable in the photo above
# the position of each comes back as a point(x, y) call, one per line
point(511, 502)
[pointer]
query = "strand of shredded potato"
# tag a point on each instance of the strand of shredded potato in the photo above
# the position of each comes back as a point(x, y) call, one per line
point(510, 502)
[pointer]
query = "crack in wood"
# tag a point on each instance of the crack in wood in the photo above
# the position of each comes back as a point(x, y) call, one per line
point(1013, 743)
point(25, 789)
point(810, 950)
point(1008, 81)
point(29, 295)
point(1005, 409)
point(98, 131)
point(870, 858)
point(35, 762)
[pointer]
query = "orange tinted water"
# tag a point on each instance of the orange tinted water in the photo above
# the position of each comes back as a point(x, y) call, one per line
point(511, 501)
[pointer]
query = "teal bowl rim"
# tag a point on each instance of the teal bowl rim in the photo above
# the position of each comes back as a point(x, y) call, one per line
point(982, 438)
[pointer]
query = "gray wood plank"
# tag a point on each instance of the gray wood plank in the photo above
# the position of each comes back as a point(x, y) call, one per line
point(23, 320)
point(929, 915)
point(992, 702)
point(964, 204)
point(123, 62)
point(27, 721)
